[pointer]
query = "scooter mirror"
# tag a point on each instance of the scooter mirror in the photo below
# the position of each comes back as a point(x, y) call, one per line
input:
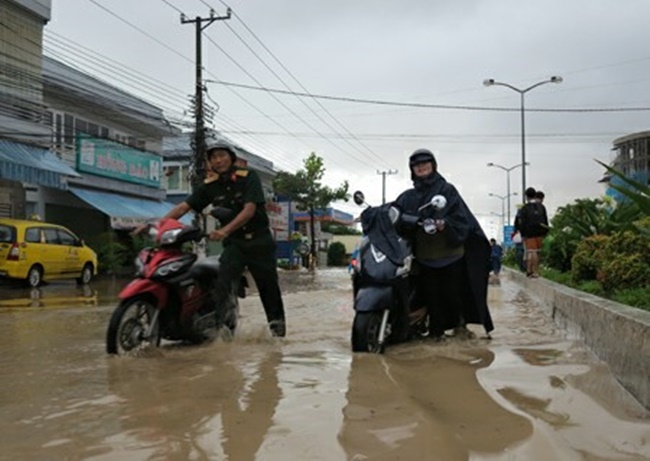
point(359, 198)
point(438, 202)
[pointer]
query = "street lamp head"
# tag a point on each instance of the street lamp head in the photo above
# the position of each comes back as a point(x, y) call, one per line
point(488, 82)
point(556, 79)
point(490, 164)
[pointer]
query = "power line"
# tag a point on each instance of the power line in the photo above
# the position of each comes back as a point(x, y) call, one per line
point(424, 105)
point(164, 45)
point(275, 74)
point(287, 107)
point(295, 79)
point(279, 101)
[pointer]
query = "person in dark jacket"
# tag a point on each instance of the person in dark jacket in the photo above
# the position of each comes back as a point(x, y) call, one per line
point(496, 257)
point(532, 223)
point(246, 234)
point(454, 262)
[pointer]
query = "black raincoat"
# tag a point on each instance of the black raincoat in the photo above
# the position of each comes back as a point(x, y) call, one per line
point(461, 228)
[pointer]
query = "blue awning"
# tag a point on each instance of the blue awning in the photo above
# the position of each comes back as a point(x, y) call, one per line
point(34, 165)
point(126, 212)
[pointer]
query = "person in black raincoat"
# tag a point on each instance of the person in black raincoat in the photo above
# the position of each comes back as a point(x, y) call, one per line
point(453, 263)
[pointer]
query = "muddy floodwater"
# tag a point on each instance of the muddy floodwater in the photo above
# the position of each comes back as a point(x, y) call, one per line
point(531, 393)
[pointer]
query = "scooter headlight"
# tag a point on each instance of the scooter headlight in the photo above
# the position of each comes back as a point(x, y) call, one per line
point(169, 268)
point(170, 236)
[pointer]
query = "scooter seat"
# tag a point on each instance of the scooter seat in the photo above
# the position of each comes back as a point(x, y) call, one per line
point(206, 268)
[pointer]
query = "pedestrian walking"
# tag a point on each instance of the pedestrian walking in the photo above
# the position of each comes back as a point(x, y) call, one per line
point(532, 223)
point(495, 257)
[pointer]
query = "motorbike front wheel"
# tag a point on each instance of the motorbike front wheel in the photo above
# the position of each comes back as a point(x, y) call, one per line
point(365, 332)
point(134, 326)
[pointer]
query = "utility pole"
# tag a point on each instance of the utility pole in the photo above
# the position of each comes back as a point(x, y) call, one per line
point(198, 163)
point(383, 182)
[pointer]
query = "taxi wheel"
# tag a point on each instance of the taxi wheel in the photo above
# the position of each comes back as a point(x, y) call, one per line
point(35, 276)
point(86, 275)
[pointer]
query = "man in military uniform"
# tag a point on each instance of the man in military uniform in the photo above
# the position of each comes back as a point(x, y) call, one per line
point(246, 236)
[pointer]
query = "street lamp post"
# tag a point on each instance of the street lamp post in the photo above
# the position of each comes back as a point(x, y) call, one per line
point(501, 218)
point(522, 92)
point(503, 198)
point(507, 170)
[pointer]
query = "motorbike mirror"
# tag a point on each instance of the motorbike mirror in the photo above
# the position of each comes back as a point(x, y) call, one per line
point(359, 198)
point(438, 202)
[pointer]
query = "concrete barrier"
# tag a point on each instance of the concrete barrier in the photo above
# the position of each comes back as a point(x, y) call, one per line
point(618, 334)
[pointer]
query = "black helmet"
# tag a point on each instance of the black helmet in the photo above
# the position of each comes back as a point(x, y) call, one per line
point(212, 145)
point(422, 156)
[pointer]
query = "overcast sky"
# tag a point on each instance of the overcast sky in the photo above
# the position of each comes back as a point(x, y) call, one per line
point(414, 51)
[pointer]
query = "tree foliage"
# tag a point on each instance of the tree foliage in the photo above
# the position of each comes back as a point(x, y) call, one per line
point(306, 190)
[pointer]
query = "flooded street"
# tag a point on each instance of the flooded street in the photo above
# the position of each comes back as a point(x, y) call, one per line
point(530, 393)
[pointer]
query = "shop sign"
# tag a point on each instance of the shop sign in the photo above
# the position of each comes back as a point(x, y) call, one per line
point(103, 157)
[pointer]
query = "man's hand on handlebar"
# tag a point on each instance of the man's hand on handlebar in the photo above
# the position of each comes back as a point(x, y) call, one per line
point(218, 234)
point(140, 229)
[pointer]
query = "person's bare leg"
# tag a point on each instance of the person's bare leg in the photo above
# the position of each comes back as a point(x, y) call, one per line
point(534, 257)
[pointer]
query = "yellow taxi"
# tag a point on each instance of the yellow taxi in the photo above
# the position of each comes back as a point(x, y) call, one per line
point(35, 251)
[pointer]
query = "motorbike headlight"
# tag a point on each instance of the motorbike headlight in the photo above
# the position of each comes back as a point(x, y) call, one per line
point(168, 268)
point(169, 236)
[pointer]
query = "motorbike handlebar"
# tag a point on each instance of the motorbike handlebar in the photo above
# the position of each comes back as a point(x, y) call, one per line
point(429, 225)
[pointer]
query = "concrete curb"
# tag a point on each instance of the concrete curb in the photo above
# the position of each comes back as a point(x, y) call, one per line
point(618, 334)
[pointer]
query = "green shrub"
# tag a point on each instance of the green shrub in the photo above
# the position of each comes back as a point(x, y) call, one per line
point(625, 271)
point(557, 276)
point(593, 287)
point(625, 262)
point(510, 258)
point(558, 249)
point(588, 258)
point(635, 297)
point(336, 254)
point(287, 265)
point(112, 254)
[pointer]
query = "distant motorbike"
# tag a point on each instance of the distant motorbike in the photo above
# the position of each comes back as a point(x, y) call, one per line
point(381, 284)
point(172, 295)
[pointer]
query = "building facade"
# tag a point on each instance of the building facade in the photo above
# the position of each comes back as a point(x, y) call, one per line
point(26, 162)
point(113, 140)
point(632, 158)
point(74, 150)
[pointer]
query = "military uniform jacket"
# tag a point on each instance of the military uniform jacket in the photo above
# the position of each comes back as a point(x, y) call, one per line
point(232, 190)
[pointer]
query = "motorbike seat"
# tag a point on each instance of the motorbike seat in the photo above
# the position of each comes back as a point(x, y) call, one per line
point(206, 268)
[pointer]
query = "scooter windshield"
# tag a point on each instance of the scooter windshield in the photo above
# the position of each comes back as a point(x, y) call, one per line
point(380, 230)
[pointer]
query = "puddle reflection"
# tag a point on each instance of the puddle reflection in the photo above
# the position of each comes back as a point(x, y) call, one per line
point(436, 409)
point(50, 296)
point(199, 411)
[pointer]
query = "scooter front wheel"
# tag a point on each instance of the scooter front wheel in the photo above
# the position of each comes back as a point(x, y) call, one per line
point(366, 330)
point(134, 326)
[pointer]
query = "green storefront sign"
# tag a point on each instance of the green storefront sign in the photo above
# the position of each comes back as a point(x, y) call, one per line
point(107, 158)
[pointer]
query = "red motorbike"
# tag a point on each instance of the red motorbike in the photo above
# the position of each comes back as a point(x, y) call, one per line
point(172, 296)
